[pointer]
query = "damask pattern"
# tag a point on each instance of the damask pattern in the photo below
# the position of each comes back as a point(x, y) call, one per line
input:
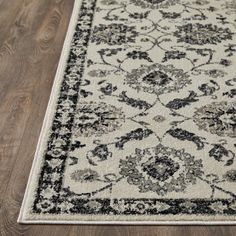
point(145, 123)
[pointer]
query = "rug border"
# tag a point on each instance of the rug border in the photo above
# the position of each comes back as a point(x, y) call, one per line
point(43, 133)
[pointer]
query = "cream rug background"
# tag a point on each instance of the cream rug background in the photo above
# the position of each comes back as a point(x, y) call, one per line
point(141, 123)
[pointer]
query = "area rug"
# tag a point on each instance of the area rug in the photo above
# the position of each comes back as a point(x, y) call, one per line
point(141, 123)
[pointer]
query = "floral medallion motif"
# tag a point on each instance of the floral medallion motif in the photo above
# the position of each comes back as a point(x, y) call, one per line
point(155, 4)
point(97, 119)
point(161, 169)
point(114, 34)
point(217, 118)
point(202, 34)
point(157, 79)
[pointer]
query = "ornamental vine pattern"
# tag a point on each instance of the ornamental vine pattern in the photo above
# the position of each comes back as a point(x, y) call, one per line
point(146, 115)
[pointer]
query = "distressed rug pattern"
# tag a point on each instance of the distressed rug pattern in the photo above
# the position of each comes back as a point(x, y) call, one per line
point(141, 124)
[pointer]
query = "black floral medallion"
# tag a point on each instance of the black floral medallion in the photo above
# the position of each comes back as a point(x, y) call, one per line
point(157, 79)
point(97, 119)
point(202, 34)
point(161, 169)
point(217, 118)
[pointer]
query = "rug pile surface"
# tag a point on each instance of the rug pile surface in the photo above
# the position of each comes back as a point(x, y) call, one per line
point(141, 123)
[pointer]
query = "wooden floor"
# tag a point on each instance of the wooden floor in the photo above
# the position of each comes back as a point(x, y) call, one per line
point(31, 37)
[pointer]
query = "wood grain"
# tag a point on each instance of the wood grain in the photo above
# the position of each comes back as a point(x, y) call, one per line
point(31, 38)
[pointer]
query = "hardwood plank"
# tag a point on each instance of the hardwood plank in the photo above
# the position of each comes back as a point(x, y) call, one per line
point(17, 92)
point(32, 34)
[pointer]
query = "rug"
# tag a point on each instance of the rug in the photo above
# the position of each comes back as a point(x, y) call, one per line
point(141, 122)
